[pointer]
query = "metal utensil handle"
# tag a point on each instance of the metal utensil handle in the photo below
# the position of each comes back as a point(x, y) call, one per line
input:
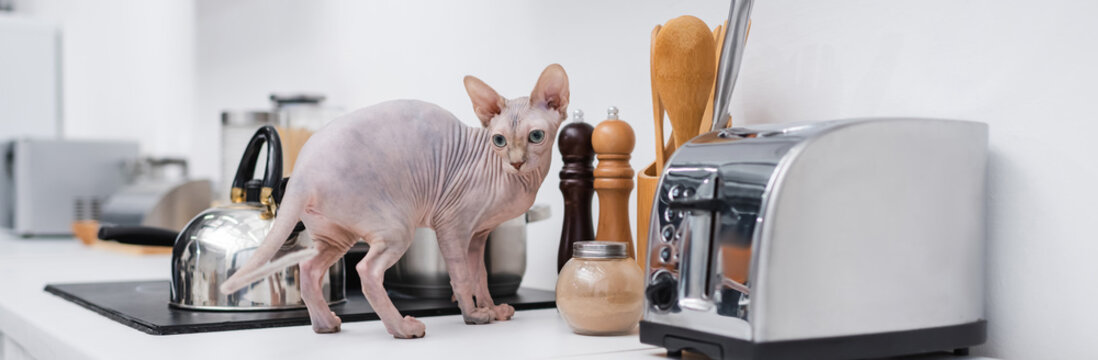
point(731, 57)
point(538, 212)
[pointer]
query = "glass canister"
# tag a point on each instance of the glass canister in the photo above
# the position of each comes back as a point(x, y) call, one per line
point(298, 117)
point(600, 290)
point(237, 128)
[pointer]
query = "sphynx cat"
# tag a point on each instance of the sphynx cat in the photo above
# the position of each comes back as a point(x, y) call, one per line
point(378, 173)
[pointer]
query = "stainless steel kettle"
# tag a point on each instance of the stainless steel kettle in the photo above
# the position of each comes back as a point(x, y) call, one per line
point(221, 239)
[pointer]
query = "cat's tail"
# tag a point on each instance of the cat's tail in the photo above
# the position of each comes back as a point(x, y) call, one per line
point(260, 265)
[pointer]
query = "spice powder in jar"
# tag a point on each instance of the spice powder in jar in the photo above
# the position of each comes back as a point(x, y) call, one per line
point(600, 290)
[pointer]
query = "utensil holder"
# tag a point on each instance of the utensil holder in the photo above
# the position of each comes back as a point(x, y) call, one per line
point(648, 181)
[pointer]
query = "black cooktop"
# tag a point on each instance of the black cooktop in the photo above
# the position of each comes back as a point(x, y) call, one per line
point(143, 305)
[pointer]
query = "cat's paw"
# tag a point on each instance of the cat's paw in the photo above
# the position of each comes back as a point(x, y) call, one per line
point(503, 312)
point(478, 316)
point(409, 328)
point(327, 325)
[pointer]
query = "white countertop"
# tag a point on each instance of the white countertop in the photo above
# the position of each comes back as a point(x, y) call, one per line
point(39, 325)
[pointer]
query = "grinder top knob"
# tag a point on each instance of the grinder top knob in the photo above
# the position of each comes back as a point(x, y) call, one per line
point(613, 136)
point(574, 142)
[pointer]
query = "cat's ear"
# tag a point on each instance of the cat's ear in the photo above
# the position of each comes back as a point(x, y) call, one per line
point(486, 102)
point(552, 90)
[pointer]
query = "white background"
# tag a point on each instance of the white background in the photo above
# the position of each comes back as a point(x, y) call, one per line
point(161, 71)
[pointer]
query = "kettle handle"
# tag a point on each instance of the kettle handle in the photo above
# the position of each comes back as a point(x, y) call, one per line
point(271, 192)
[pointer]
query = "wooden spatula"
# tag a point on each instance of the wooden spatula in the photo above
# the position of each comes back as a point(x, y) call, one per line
point(657, 106)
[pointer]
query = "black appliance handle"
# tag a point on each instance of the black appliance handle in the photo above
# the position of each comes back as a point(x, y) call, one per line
point(138, 235)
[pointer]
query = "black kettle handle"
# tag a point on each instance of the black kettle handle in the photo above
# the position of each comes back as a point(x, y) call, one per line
point(271, 192)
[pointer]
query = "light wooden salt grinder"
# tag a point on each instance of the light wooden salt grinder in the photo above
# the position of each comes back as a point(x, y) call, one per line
point(576, 185)
point(613, 142)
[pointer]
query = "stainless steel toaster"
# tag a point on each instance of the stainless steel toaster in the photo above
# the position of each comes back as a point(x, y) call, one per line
point(827, 240)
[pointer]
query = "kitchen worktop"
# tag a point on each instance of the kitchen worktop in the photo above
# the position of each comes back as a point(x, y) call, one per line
point(37, 325)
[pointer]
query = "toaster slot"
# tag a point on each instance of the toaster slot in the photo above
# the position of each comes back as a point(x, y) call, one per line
point(741, 195)
point(693, 292)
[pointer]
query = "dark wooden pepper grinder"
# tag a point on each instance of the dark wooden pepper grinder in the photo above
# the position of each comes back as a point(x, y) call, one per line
point(576, 184)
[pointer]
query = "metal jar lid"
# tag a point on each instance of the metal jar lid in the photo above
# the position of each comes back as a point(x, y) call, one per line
point(598, 250)
point(246, 118)
point(283, 99)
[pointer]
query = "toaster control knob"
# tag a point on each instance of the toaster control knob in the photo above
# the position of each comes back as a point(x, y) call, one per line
point(666, 254)
point(662, 292)
point(668, 233)
point(672, 215)
point(688, 192)
point(675, 192)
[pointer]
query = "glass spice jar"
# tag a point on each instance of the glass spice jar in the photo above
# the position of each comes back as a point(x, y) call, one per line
point(600, 290)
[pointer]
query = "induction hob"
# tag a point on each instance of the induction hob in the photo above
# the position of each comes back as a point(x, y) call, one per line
point(143, 305)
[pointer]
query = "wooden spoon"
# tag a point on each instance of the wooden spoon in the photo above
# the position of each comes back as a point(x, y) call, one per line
point(684, 73)
point(657, 106)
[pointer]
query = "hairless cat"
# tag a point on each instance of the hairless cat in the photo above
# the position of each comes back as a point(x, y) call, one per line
point(378, 173)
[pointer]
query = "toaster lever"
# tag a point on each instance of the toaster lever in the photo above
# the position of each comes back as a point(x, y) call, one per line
point(696, 204)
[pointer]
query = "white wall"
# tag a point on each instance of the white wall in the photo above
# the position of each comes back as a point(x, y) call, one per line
point(1026, 69)
point(127, 69)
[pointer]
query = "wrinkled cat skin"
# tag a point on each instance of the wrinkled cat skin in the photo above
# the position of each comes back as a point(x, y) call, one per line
point(378, 173)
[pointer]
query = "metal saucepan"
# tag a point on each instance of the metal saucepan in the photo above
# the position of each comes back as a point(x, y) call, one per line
point(422, 271)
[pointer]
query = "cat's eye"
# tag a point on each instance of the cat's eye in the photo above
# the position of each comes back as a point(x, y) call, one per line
point(499, 140)
point(537, 136)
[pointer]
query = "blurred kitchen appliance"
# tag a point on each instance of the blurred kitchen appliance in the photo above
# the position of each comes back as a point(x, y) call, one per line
point(45, 181)
point(155, 199)
point(30, 92)
point(830, 240)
